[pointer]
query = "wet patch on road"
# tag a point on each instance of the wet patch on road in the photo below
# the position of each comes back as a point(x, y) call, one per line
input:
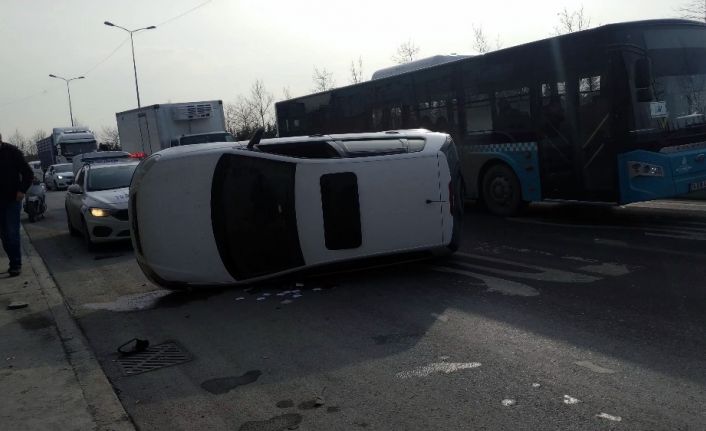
point(136, 302)
point(222, 385)
point(285, 404)
point(595, 368)
point(276, 423)
point(333, 409)
point(33, 322)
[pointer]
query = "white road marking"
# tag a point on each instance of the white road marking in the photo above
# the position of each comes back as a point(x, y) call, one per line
point(608, 269)
point(438, 367)
point(610, 417)
point(497, 285)
point(139, 301)
point(543, 274)
point(568, 399)
point(595, 368)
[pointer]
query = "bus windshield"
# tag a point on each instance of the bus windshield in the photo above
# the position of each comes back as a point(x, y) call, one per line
point(678, 58)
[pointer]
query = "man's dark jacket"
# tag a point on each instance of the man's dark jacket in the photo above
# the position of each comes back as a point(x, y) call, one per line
point(15, 173)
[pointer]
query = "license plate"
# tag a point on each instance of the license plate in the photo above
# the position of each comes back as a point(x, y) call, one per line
point(701, 185)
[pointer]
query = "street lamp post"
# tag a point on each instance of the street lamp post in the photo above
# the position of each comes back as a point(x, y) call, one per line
point(134, 67)
point(68, 90)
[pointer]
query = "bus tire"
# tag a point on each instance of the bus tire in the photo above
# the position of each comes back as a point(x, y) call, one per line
point(502, 193)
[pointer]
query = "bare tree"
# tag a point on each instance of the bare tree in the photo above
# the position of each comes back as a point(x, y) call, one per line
point(110, 138)
point(571, 21)
point(241, 119)
point(406, 52)
point(286, 93)
point(37, 136)
point(261, 101)
point(357, 71)
point(23, 144)
point(323, 80)
point(480, 42)
point(693, 9)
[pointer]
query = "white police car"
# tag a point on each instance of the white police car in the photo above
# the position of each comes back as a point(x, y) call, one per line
point(96, 205)
point(220, 214)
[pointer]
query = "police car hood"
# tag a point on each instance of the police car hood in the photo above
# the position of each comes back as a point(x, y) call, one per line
point(113, 198)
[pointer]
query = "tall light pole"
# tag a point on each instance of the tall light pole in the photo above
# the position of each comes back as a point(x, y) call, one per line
point(152, 27)
point(68, 90)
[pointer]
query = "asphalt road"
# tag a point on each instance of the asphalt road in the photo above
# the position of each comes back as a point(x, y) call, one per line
point(570, 317)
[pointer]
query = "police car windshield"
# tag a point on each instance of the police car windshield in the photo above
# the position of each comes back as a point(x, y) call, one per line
point(110, 177)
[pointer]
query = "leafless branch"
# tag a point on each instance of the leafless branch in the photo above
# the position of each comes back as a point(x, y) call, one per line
point(406, 52)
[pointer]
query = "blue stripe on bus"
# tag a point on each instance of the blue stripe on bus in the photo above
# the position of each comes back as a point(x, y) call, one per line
point(523, 158)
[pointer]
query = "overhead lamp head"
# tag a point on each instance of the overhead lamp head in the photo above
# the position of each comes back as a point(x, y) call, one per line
point(108, 23)
point(152, 27)
point(51, 75)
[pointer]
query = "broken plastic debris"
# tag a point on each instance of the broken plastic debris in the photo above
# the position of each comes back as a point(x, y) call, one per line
point(509, 402)
point(262, 298)
point(316, 289)
point(568, 399)
point(299, 284)
point(240, 298)
point(536, 385)
point(265, 294)
point(17, 305)
point(610, 417)
point(319, 401)
point(286, 301)
point(296, 295)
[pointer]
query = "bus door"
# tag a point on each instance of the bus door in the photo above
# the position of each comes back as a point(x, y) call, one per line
point(557, 149)
point(602, 96)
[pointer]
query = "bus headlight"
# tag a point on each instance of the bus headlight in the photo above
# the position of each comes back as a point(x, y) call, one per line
point(642, 169)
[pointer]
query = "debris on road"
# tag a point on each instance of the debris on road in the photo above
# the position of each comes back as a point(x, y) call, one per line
point(16, 305)
point(609, 417)
point(286, 301)
point(438, 367)
point(508, 402)
point(536, 385)
point(569, 400)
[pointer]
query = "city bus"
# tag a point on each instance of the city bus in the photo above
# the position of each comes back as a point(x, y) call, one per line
point(611, 114)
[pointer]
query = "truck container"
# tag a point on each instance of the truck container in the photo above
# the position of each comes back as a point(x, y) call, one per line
point(153, 128)
point(63, 144)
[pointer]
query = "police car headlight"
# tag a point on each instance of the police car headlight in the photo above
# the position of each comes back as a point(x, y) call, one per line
point(641, 169)
point(99, 212)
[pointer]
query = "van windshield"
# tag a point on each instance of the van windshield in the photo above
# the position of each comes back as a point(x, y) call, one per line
point(253, 216)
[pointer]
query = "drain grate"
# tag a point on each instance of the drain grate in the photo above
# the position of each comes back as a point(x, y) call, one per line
point(155, 357)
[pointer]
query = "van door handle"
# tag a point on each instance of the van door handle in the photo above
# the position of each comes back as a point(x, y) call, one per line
point(429, 201)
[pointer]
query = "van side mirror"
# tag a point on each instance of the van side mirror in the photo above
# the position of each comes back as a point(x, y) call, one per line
point(75, 189)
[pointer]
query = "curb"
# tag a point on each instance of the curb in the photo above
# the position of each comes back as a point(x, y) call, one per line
point(98, 393)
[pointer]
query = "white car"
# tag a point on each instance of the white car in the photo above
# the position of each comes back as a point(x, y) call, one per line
point(59, 176)
point(227, 213)
point(96, 205)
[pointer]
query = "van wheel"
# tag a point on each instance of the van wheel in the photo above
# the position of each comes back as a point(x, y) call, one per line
point(501, 191)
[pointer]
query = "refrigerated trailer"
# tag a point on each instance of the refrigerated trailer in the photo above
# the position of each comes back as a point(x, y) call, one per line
point(153, 128)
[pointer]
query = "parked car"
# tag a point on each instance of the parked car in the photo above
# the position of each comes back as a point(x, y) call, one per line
point(59, 176)
point(96, 205)
point(36, 166)
point(220, 214)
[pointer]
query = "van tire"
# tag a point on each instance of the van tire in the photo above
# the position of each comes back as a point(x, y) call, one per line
point(502, 193)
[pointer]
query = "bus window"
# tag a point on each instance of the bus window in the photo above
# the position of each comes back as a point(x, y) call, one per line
point(513, 110)
point(479, 116)
point(588, 89)
point(553, 107)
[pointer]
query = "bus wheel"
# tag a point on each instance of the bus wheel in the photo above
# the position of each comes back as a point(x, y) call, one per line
point(501, 191)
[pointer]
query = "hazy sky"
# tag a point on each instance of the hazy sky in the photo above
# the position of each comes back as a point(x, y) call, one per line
point(218, 50)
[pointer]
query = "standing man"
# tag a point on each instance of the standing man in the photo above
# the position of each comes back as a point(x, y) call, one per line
point(15, 179)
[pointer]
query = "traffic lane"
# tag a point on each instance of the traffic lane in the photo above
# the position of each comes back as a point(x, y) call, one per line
point(383, 307)
point(373, 342)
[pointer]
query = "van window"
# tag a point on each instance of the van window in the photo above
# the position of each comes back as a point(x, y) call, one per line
point(341, 210)
point(253, 216)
